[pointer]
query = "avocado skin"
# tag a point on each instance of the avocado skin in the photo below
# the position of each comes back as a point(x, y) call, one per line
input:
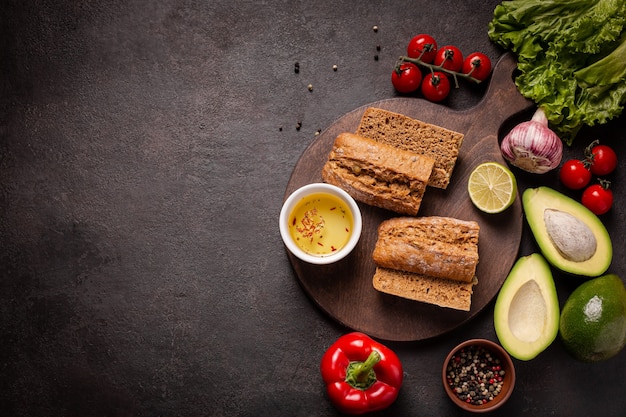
point(536, 200)
point(593, 320)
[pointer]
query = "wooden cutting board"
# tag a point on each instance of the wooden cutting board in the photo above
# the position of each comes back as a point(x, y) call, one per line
point(344, 290)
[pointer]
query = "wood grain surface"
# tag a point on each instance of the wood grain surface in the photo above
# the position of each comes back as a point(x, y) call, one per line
point(344, 290)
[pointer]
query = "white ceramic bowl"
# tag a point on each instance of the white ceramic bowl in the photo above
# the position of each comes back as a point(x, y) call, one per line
point(300, 196)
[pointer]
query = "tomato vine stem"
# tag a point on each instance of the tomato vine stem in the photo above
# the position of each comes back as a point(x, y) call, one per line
point(434, 68)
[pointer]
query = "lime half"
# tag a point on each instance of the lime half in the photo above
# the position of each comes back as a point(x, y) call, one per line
point(492, 187)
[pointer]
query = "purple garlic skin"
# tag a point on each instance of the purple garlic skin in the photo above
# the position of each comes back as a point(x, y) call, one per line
point(532, 146)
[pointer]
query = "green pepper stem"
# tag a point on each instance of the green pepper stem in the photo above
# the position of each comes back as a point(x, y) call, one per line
point(361, 375)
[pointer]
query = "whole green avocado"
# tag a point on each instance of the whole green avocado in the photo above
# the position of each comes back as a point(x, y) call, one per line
point(593, 320)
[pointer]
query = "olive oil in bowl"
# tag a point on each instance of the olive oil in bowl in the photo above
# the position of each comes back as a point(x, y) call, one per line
point(320, 223)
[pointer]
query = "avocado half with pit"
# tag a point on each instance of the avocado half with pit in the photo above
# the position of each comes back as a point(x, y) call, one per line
point(526, 314)
point(570, 236)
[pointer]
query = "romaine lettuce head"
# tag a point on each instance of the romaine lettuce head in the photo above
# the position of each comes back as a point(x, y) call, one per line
point(571, 57)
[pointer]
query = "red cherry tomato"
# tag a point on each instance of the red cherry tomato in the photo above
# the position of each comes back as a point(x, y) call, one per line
point(575, 174)
point(435, 86)
point(598, 198)
point(422, 46)
point(603, 159)
point(450, 58)
point(406, 77)
point(477, 65)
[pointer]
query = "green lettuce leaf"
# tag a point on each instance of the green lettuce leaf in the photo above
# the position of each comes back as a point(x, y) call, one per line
point(571, 57)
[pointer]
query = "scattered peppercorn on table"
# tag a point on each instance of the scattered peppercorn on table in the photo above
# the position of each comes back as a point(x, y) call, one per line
point(145, 149)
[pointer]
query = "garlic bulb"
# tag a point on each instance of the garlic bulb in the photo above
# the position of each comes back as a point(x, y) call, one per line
point(533, 146)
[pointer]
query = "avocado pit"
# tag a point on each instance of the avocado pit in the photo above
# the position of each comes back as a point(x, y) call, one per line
point(573, 239)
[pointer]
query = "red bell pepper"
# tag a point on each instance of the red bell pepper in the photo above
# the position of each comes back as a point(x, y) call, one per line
point(361, 375)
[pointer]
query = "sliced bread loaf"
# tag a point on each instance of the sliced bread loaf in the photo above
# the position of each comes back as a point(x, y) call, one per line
point(427, 259)
point(440, 144)
point(378, 174)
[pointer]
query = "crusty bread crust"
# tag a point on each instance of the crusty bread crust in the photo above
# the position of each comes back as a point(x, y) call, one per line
point(440, 144)
point(440, 292)
point(378, 174)
point(440, 247)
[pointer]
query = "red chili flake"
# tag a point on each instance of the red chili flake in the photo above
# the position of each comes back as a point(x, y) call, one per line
point(333, 208)
point(347, 230)
point(293, 222)
point(311, 224)
point(320, 244)
point(332, 248)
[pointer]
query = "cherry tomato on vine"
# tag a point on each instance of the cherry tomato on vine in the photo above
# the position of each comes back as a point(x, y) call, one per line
point(477, 65)
point(422, 46)
point(598, 198)
point(603, 159)
point(575, 174)
point(450, 58)
point(435, 86)
point(406, 77)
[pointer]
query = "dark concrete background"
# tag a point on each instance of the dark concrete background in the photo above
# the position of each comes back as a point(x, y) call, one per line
point(145, 147)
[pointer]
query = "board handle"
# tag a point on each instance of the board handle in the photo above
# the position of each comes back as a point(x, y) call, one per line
point(502, 98)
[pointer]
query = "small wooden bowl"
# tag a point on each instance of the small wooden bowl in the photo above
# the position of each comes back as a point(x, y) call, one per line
point(508, 380)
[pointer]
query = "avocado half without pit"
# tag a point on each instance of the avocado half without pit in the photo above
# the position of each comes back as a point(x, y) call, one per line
point(570, 236)
point(526, 314)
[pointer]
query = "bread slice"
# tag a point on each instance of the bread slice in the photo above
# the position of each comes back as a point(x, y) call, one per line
point(440, 292)
point(440, 144)
point(378, 174)
point(440, 247)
